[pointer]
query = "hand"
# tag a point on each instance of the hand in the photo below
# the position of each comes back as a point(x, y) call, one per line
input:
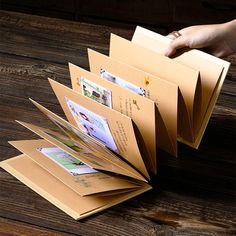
point(219, 39)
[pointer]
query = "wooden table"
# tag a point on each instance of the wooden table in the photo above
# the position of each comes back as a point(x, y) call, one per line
point(192, 195)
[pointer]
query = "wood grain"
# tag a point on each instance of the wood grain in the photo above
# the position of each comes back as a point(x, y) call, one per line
point(7, 226)
point(193, 195)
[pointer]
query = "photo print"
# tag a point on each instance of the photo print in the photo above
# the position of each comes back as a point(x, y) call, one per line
point(122, 83)
point(92, 124)
point(69, 163)
point(96, 92)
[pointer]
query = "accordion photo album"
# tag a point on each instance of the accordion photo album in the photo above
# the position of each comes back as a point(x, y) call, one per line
point(129, 105)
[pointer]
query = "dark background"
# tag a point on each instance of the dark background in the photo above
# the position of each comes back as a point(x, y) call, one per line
point(164, 15)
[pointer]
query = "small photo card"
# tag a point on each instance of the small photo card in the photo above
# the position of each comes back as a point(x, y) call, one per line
point(69, 163)
point(96, 92)
point(91, 123)
point(122, 83)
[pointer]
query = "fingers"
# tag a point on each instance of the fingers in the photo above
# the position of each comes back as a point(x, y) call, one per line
point(177, 43)
point(173, 35)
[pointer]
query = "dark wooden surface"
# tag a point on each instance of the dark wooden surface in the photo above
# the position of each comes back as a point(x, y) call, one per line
point(162, 14)
point(193, 195)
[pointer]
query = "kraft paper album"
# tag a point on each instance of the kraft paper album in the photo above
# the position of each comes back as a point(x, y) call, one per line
point(119, 114)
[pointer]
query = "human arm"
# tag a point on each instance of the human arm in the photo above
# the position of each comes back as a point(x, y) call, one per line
point(218, 39)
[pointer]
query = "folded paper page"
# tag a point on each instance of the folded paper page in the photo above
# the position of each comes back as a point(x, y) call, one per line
point(163, 93)
point(69, 170)
point(186, 78)
point(121, 126)
point(212, 74)
point(91, 159)
point(125, 101)
point(83, 147)
point(63, 197)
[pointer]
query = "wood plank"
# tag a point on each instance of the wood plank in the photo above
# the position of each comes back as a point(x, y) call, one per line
point(35, 39)
point(183, 214)
point(17, 228)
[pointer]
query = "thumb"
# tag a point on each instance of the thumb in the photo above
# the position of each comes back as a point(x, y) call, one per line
point(176, 44)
